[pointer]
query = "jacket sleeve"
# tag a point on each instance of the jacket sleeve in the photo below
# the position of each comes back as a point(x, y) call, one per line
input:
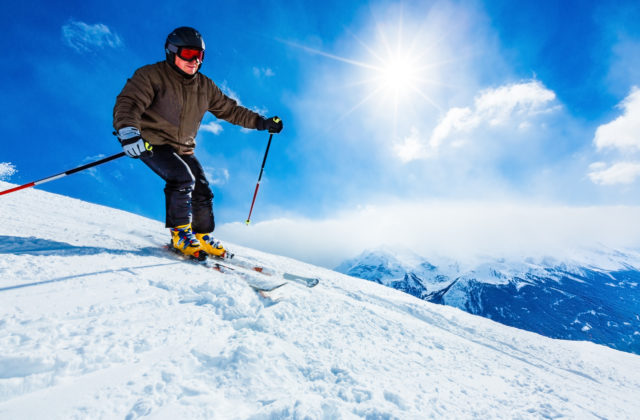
point(227, 109)
point(136, 96)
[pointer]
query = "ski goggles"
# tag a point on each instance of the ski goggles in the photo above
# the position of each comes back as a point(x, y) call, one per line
point(187, 53)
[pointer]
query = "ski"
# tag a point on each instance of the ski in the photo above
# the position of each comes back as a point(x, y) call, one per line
point(230, 261)
point(254, 284)
point(307, 281)
point(246, 263)
point(233, 259)
point(257, 284)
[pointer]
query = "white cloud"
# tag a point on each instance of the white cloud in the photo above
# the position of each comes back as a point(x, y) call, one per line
point(412, 148)
point(217, 176)
point(457, 120)
point(618, 173)
point(260, 110)
point(263, 72)
point(459, 230)
point(511, 107)
point(623, 133)
point(499, 106)
point(83, 37)
point(622, 136)
point(94, 172)
point(212, 127)
point(224, 86)
point(7, 169)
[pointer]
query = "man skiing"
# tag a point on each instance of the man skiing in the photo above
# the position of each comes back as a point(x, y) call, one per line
point(156, 118)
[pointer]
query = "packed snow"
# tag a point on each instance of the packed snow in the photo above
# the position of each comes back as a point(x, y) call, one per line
point(97, 320)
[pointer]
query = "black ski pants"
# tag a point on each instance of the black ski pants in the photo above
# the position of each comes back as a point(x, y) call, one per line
point(188, 196)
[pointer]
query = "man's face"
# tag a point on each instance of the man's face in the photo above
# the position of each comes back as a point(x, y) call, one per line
point(189, 67)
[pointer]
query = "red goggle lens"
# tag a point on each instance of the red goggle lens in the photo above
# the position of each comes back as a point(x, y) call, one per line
point(190, 54)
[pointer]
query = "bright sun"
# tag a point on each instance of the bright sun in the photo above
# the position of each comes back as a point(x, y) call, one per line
point(398, 75)
point(397, 81)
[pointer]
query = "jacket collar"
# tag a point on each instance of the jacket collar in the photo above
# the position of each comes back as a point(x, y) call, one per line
point(178, 76)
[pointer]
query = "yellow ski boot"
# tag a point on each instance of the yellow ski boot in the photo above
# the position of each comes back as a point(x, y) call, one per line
point(183, 240)
point(210, 245)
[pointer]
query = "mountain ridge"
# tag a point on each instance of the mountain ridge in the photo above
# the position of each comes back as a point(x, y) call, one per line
point(595, 297)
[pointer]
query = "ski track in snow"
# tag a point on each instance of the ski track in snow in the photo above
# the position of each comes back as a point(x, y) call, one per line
point(97, 321)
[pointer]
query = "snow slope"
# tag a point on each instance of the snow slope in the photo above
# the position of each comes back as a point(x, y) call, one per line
point(96, 321)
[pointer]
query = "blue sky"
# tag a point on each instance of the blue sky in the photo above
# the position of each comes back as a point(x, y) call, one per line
point(386, 106)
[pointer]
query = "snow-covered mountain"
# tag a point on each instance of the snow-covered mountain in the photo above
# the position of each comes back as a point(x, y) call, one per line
point(594, 295)
point(97, 321)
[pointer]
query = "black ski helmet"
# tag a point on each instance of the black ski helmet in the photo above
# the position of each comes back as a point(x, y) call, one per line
point(183, 36)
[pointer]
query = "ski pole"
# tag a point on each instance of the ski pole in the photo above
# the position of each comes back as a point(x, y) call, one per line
point(255, 193)
point(63, 174)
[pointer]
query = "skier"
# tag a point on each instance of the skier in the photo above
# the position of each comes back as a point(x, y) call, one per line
point(156, 118)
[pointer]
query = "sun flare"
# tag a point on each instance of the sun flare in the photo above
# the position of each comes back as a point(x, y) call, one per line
point(399, 70)
point(396, 72)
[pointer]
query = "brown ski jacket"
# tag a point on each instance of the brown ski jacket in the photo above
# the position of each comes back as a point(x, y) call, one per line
point(167, 108)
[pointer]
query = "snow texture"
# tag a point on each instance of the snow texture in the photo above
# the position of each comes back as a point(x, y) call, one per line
point(97, 321)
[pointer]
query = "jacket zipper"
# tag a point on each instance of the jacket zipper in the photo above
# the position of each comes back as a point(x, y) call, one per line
point(182, 112)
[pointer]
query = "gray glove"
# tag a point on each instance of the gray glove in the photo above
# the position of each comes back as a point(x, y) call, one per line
point(132, 142)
